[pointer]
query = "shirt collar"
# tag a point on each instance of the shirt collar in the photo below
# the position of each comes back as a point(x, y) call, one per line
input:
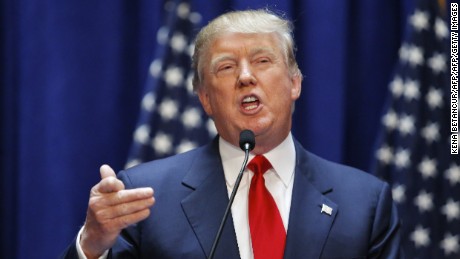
point(281, 157)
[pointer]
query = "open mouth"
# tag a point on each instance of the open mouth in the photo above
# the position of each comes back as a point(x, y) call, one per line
point(250, 103)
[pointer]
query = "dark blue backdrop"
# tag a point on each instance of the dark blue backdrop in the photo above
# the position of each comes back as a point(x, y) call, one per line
point(72, 76)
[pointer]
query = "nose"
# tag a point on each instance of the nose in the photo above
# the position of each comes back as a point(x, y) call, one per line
point(246, 76)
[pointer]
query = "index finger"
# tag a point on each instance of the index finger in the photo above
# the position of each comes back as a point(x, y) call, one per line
point(131, 195)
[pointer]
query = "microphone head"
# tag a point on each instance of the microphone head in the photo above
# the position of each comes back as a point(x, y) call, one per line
point(247, 140)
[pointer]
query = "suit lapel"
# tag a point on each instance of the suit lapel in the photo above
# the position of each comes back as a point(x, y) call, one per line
point(309, 221)
point(206, 204)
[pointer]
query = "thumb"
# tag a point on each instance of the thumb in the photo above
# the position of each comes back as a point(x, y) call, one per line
point(106, 171)
point(109, 181)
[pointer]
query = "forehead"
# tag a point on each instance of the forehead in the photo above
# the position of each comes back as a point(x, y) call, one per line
point(244, 43)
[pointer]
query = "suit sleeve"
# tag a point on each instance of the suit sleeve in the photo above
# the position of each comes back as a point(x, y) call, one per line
point(71, 251)
point(386, 231)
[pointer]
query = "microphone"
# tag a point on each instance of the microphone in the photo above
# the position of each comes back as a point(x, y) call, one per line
point(247, 143)
point(247, 140)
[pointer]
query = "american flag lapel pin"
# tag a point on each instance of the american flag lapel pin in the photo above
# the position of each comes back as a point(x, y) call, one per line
point(326, 209)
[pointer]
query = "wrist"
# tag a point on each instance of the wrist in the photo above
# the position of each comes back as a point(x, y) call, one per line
point(87, 246)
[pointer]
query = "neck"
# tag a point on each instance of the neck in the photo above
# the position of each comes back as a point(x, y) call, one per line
point(264, 145)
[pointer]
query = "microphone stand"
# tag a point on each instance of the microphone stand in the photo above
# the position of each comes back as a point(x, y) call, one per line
point(232, 197)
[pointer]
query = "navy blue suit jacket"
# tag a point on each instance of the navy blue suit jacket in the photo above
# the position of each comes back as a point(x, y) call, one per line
point(191, 197)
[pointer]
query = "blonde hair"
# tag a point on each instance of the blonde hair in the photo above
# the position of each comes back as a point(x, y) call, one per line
point(249, 21)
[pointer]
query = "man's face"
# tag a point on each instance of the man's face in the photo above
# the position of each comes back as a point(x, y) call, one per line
point(246, 84)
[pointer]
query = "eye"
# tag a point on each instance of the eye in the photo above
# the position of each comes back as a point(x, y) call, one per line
point(225, 67)
point(263, 60)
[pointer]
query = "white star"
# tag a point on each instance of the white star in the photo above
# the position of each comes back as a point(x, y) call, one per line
point(173, 76)
point(211, 127)
point(404, 52)
point(132, 162)
point(397, 87)
point(399, 193)
point(420, 236)
point(385, 154)
point(169, 6)
point(148, 102)
point(191, 118)
point(191, 49)
point(450, 244)
point(411, 90)
point(390, 120)
point(185, 146)
point(195, 17)
point(415, 56)
point(189, 83)
point(424, 201)
point(419, 20)
point(453, 174)
point(178, 42)
point(406, 124)
point(141, 134)
point(162, 143)
point(162, 35)
point(427, 167)
point(434, 98)
point(437, 63)
point(440, 28)
point(451, 210)
point(168, 109)
point(155, 68)
point(402, 158)
point(183, 10)
point(430, 132)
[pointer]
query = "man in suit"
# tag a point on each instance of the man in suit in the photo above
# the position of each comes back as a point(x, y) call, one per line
point(246, 77)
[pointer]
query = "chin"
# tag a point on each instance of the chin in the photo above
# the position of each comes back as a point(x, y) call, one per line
point(260, 132)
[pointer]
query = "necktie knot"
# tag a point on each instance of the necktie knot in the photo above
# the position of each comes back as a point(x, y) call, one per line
point(259, 165)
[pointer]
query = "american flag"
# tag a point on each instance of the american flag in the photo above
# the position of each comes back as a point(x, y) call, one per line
point(171, 120)
point(414, 152)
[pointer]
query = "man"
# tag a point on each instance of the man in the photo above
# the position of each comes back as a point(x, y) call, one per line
point(246, 77)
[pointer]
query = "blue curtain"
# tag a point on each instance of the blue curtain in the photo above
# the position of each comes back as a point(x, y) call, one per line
point(73, 73)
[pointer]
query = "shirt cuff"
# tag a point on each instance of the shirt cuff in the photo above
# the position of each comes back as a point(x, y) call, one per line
point(81, 254)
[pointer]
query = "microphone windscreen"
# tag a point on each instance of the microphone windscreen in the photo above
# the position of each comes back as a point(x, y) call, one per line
point(247, 137)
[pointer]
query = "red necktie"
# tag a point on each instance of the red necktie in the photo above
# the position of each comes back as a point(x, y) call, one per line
point(267, 230)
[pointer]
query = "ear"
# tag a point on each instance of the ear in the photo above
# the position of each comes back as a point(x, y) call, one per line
point(296, 86)
point(204, 100)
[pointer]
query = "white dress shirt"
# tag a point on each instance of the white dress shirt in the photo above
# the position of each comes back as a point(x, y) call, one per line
point(279, 182)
